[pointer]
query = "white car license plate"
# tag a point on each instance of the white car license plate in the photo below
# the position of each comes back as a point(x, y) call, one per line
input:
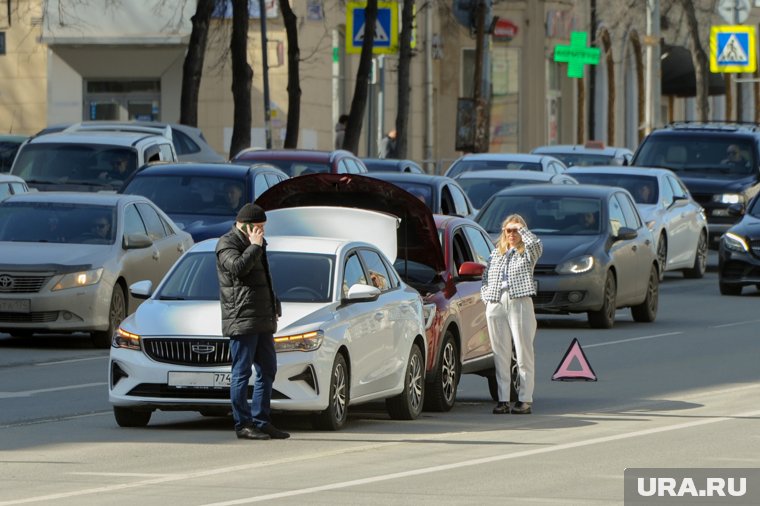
point(15, 305)
point(199, 379)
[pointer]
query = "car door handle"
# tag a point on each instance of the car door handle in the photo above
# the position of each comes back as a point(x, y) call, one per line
point(156, 255)
point(634, 247)
point(181, 248)
point(379, 316)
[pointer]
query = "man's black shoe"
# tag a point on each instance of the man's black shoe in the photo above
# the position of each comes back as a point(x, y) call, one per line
point(522, 408)
point(274, 432)
point(501, 408)
point(251, 433)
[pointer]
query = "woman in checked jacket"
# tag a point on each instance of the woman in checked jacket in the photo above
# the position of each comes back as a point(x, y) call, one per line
point(507, 289)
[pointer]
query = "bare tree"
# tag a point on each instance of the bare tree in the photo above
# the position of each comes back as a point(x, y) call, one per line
point(294, 80)
point(192, 70)
point(361, 90)
point(699, 58)
point(242, 76)
point(405, 58)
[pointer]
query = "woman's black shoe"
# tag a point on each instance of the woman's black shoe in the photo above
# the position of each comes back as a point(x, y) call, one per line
point(501, 408)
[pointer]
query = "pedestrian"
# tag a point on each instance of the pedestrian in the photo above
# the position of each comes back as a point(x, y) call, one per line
point(340, 131)
point(388, 146)
point(249, 318)
point(507, 290)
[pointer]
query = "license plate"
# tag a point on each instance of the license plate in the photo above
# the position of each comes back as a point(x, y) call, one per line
point(199, 379)
point(15, 305)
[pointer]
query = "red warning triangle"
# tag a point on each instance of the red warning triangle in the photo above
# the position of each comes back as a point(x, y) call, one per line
point(564, 373)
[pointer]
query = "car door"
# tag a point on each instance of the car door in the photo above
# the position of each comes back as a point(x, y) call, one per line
point(365, 333)
point(682, 218)
point(167, 248)
point(638, 270)
point(137, 263)
point(475, 341)
point(623, 253)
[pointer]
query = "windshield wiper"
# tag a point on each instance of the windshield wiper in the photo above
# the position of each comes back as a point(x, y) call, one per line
point(170, 297)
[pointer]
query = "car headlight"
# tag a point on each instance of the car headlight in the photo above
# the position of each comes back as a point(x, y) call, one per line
point(124, 339)
point(733, 242)
point(79, 279)
point(308, 341)
point(729, 198)
point(576, 265)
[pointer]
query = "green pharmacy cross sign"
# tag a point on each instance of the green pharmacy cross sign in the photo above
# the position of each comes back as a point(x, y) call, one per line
point(576, 55)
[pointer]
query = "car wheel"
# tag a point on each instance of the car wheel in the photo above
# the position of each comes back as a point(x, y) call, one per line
point(647, 310)
point(443, 388)
point(662, 254)
point(730, 289)
point(116, 313)
point(336, 414)
point(408, 404)
point(605, 317)
point(514, 388)
point(127, 417)
point(700, 259)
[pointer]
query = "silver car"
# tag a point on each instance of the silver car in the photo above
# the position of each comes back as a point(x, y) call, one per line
point(66, 260)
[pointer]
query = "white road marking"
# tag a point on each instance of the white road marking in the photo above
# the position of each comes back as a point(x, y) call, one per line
point(70, 361)
point(136, 475)
point(607, 343)
point(734, 324)
point(374, 479)
point(29, 393)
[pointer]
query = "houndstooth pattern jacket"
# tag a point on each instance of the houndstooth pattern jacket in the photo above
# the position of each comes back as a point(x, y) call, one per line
point(519, 270)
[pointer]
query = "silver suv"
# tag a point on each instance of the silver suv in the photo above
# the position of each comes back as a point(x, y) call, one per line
point(88, 161)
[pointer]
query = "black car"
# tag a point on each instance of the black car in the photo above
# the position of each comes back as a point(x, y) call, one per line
point(442, 195)
point(203, 198)
point(739, 251)
point(718, 162)
point(392, 165)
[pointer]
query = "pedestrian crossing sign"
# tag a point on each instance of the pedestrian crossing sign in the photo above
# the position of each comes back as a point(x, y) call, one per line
point(386, 27)
point(732, 48)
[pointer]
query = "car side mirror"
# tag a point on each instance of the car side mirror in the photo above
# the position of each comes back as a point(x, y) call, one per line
point(736, 210)
point(136, 241)
point(471, 271)
point(626, 234)
point(141, 289)
point(361, 293)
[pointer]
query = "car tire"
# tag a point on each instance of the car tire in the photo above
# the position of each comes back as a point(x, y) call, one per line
point(116, 313)
point(336, 414)
point(726, 289)
point(647, 311)
point(700, 259)
point(514, 388)
point(662, 254)
point(442, 393)
point(605, 317)
point(408, 404)
point(127, 417)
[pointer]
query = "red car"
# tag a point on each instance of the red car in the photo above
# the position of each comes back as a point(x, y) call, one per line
point(300, 162)
point(443, 257)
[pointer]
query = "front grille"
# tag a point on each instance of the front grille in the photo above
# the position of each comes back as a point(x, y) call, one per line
point(182, 351)
point(543, 298)
point(158, 390)
point(36, 317)
point(544, 269)
point(10, 283)
point(740, 271)
point(754, 246)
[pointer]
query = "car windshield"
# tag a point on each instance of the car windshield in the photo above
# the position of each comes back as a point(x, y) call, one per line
point(643, 188)
point(480, 190)
point(469, 165)
point(7, 153)
point(544, 215)
point(70, 164)
point(715, 155)
point(297, 277)
point(582, 159)
point(294, 168)
point(183, 194)
point(57, 222)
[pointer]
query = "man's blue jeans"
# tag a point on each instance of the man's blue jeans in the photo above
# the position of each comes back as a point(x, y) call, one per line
point(252, 350)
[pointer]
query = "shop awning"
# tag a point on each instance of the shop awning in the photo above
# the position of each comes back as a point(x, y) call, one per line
point(678, 74)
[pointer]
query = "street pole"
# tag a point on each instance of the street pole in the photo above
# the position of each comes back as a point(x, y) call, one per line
point(265, 65)
point(653, 80)
point(481, 128)
point(739, 95)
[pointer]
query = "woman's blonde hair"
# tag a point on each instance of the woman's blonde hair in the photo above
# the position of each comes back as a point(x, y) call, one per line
point(503, 244)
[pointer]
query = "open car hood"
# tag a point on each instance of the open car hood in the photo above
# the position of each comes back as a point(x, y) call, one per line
point(417, 235)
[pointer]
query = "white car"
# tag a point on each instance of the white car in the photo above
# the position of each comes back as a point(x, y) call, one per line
point(351, 331)
point(676, 220)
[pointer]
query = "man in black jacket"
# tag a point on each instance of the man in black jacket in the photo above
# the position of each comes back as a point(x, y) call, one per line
point(249, 318)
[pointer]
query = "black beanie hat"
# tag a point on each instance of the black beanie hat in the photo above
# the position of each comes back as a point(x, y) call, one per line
point(251, 213)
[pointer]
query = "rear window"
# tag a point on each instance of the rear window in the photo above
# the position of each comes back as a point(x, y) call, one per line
point(469, 165)
point(182, 194)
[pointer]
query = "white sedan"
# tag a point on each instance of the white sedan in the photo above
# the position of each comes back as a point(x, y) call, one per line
point(351, 331)
point(676, 220)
